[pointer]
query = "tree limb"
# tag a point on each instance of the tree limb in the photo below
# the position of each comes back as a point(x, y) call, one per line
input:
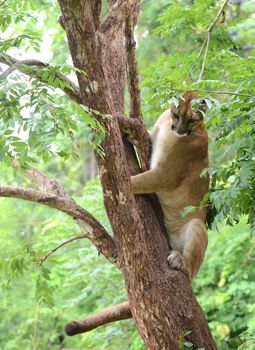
point(143, 144)
point(91, 228)
point(130, 126)
point(26, 194)
point(137, 133)
point(132, 71)
point(96, 10)
point(72, 91)
point(110, 314)
point(42, 181)
point(116, 17)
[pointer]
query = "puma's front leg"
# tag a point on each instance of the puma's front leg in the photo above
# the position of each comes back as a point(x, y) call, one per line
point(147, 182)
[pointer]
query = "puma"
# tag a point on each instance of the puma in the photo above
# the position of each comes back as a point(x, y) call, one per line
point(179, 154)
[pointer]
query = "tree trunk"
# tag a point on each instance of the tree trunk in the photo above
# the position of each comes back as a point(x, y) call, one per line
point(161, 300)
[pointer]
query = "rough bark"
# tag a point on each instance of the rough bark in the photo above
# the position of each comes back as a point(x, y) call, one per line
point(160, 299)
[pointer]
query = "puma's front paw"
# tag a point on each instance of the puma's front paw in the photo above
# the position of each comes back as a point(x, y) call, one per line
point(176, 262)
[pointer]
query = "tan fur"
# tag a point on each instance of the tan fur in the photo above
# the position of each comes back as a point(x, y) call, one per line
point(176, 164)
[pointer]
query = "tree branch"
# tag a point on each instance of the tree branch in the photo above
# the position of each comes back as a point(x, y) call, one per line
point(96, 10)
point(113, 313)
point(91, 228)
point(72, 91)
point(116, 17)
point(137, 133)
point(130, 126)
point(42, 181)
point(142, 144)
point(26, 194)
point(44, 258)
point(132, 71)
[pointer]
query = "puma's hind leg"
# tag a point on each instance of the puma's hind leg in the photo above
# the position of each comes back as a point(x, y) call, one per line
point(189, 248)
point(195, 245)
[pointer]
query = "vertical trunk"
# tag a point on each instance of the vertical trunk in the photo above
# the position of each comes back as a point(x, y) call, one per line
point(161, 300)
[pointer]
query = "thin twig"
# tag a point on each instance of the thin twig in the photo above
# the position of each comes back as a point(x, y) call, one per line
point(3, 2)
point(226, 93)
point(202, 47)
point(219, 92)
point(218, 16)
point(205, 56)
point(206, 41)
point(42, 259)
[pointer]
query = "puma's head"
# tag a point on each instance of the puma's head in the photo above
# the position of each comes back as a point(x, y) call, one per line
point(184, 120)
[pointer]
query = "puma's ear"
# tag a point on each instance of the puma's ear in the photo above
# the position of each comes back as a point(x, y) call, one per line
point(173, 109)
point(200, 114)
point(203, 106)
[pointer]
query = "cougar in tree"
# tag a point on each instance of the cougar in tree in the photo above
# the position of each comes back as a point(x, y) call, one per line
point(179, 154)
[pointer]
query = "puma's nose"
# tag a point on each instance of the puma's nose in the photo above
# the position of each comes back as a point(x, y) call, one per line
point(181, 130)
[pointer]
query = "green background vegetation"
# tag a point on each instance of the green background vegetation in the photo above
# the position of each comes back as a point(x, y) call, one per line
point(40, 126)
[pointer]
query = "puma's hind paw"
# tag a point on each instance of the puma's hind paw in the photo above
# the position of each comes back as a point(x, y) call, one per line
point(176, 262)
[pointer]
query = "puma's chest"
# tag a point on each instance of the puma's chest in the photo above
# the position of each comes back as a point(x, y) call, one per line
point(169, 150)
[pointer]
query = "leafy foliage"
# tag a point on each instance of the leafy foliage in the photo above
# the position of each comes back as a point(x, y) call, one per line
point(73, 282)
point(40, 127)
point(228, 87)
point(38, 123)
point(225, 283)
point(76, 281)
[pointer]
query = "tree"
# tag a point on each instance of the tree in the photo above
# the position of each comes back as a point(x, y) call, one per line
point(160, 300)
